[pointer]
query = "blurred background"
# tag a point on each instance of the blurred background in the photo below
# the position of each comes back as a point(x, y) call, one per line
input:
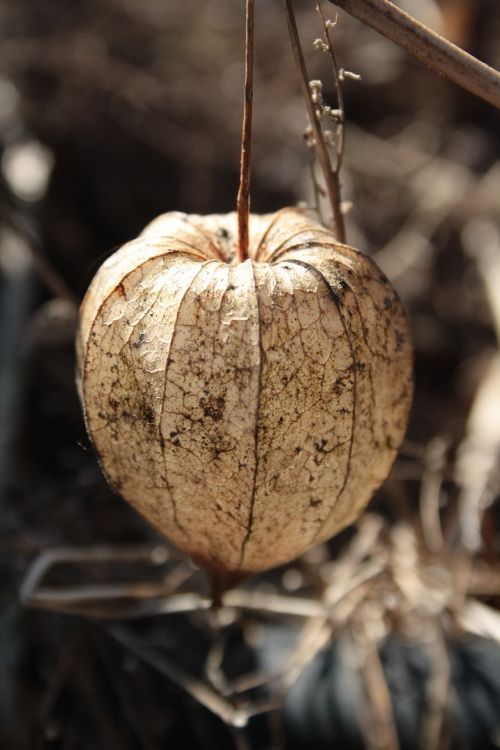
point(113, 111)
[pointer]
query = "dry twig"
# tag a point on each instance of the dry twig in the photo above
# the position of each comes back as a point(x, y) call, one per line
point(438, 690)
point(330, 174)
point(339, 92)
point(430, 492)
point(425, 45)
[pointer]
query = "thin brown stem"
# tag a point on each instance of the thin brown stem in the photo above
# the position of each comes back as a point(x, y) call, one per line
point(243, 200)
point(426, 46)
point(329, 174)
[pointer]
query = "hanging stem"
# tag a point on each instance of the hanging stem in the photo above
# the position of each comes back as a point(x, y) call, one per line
point(243, 200)
point(329, 174)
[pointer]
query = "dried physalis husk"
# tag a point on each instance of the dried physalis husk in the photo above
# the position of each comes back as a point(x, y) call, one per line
point(247, 410)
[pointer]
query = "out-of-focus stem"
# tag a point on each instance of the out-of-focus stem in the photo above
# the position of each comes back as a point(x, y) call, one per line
point(425, 45)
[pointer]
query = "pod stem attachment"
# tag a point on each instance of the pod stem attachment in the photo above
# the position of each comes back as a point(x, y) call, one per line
point(243, 200)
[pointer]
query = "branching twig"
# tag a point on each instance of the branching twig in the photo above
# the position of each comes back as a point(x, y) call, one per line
point(426, 46)
point(330, 175)
point(340, 140)
point(243, 200)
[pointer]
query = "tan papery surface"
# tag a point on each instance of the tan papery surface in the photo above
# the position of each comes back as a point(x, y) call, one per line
point(250, 410)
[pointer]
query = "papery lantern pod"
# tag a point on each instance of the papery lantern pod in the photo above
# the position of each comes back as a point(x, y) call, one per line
point(247, 410)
